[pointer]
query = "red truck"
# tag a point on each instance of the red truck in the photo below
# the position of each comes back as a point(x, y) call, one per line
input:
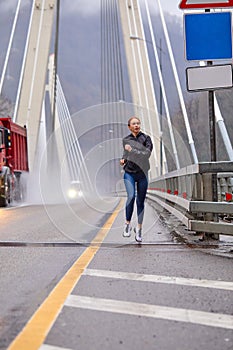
point(13, 161)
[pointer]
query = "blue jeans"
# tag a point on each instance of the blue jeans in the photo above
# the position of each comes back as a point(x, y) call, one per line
point(141, 180)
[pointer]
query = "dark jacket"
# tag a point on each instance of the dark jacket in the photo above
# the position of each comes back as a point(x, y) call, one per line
point(138, 159)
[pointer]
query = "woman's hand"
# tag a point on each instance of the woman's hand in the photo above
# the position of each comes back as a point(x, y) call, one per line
point(128, 148)
point(122, 162)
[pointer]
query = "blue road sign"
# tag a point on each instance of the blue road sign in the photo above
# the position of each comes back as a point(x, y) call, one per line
point(208, 36)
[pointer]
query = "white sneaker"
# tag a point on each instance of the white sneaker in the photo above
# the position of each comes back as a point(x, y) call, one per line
point(138, 234)
point(127, 230)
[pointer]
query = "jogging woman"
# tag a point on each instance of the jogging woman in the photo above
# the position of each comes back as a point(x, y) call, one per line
point(135, 160)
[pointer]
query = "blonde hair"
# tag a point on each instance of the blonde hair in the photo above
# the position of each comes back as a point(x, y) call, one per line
point(129, 121)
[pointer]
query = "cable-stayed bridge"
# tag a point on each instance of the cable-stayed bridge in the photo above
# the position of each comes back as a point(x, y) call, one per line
point(87, 147)
point(69, 279)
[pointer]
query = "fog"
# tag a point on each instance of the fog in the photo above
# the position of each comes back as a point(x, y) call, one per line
point(90, 181)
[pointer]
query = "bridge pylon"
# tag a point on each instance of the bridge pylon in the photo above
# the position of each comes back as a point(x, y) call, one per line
point(140, 76)
point(35, 72)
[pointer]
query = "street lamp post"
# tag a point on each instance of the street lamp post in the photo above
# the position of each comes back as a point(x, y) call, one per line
point(161, 110)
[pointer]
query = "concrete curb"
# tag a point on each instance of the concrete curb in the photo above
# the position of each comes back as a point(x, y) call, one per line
point(179, 232)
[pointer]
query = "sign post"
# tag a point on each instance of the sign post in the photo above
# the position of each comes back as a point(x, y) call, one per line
point(208, 37)
point(213, 151)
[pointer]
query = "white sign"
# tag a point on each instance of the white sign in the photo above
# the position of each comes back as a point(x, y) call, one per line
point(192, 4)
point(209, 77)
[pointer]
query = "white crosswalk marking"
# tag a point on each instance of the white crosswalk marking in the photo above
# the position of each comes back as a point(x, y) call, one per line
point(50, 347)
point(154, 311)
point(160, 279)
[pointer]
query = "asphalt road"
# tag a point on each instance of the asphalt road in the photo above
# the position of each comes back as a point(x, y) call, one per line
point(118, 295)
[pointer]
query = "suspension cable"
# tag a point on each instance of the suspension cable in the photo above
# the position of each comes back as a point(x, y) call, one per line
point(120, 72)
point(162, 87)
point(55, 63)
point(71, 141)
point(188, 128)
point(23, 65)
point(112, 82)
point(9, 45)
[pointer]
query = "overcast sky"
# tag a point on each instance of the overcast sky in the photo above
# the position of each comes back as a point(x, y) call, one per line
point(88, 7)
point(11, 4)
point(85, 8)
point(171, 6)
point(92, 6)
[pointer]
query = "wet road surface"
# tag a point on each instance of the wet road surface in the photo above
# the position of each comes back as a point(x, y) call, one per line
point(119, 295)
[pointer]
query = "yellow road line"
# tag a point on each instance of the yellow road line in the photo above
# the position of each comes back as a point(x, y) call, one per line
point(35, 331)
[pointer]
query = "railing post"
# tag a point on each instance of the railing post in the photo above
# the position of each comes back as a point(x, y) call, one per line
point(208, 196)
point(199, 187)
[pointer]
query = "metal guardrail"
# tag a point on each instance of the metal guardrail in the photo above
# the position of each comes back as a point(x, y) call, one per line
point(187, 194)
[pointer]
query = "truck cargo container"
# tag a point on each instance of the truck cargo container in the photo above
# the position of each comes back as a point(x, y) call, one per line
point(13, 161)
